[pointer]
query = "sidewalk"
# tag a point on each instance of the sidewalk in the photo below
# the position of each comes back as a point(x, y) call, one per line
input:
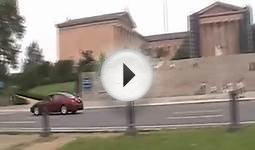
point(93, 104)
point(35, 142)
point(167, 100)
point(7, 141)
point(19, 108)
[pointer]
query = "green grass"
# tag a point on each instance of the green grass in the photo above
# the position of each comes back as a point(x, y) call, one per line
point(51, 88)
point(189, 139)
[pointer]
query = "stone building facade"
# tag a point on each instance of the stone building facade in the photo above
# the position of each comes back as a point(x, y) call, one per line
point(101, 34)
point(219, 29)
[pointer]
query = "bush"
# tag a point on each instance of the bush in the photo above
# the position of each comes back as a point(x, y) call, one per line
point(181, 54)
point(63, 72)
point(183, 51)
point(45, 73)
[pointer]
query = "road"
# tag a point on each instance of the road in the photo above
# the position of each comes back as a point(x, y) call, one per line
point(168, 115)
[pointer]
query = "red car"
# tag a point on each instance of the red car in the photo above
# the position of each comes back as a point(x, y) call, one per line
point(59, 102)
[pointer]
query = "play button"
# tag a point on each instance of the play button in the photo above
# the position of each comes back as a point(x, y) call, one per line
point(126, 75)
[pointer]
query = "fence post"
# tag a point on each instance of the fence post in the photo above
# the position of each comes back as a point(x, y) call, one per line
point(45, 122)
point(131, 129)
point(234, 110)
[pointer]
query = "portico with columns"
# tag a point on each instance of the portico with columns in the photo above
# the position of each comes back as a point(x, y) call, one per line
point(220, 29)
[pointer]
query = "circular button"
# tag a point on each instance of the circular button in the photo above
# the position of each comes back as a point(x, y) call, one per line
point(126, 75)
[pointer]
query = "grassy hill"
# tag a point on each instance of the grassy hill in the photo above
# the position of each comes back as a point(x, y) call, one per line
point(51, 88)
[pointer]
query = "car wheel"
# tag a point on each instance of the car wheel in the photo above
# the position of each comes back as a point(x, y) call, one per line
point(64, 110)
point(36, 111)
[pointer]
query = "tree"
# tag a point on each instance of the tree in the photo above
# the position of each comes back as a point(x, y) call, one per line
point(87, 63)
point(63, 71)
point(11, 30)
point(34, 54)
point(87, 57)
point(182, 52)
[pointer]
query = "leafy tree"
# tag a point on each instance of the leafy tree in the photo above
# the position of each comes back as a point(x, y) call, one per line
point(44, 69)
point(87, 63)
point(11, 30)
point(34, 55)
point(182, 52)
point(63, 71)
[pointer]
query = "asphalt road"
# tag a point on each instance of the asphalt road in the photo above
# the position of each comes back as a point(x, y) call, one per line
point(176, 115)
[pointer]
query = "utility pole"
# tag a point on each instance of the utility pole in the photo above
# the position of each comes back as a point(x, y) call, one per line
point(165, 16)
point(131, 129)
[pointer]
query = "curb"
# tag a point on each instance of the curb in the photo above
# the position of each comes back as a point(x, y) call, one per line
point(144, 105)
point(117, 129)
point(171, 103)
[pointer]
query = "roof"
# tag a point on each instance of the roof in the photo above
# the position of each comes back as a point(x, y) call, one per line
point(123, 16)
point(168, 36)
point(221, 4)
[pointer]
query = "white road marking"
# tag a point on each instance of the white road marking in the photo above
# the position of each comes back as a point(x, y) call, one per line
point(198, 111)
point(6, 113)
point(195, 117)
point(14, 110)
point(17, 122)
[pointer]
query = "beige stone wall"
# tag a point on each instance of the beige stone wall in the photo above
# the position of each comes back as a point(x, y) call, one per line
point(74, 40)
point(100, 38)
point(185, 79)
point(127, 38)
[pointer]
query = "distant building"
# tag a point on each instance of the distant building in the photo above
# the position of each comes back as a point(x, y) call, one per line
point(219, 29)
point(101, 34)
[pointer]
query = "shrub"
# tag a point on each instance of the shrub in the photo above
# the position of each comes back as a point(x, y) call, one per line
point(63, 72)
point(183, 51)
point(181, 54)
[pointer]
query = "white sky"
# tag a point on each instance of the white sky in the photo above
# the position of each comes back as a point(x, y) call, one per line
point(42, 15)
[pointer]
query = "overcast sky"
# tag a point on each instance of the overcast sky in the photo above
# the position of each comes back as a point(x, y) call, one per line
point(42, 15)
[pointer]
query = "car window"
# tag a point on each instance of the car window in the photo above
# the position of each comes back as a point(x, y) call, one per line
point(48, 98)
point(58, 97)
point(68, 95)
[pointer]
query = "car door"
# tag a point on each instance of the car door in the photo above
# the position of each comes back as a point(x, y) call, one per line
point(47, 103)
point(55, 105)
